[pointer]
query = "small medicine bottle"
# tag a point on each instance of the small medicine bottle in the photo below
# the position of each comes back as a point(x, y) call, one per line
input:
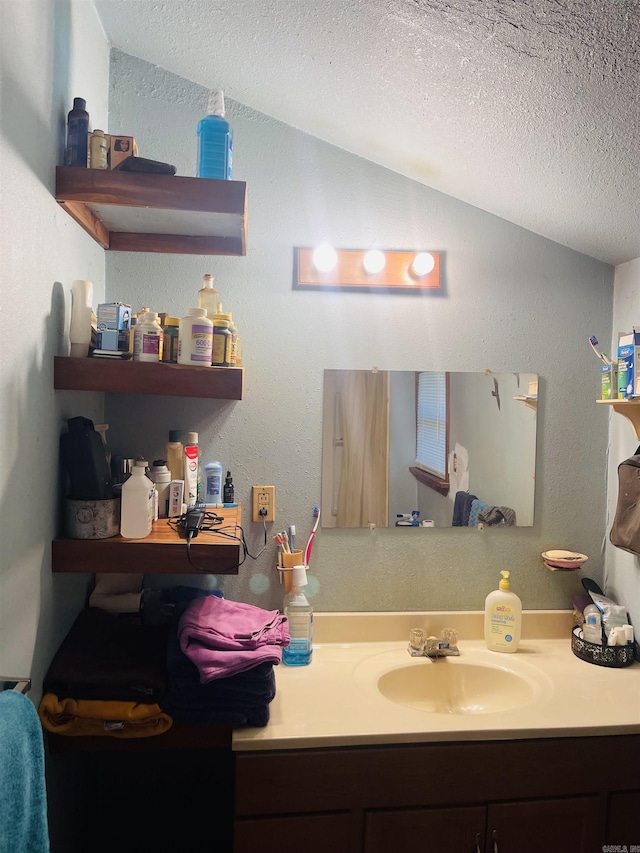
point(147, 340)
point(222, 341)
point(98, 148)
point(195, 337)
point(170, 329)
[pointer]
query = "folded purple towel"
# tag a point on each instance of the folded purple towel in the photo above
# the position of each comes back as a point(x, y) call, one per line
point(223, 637)
point(218, 623)
point(214, 663)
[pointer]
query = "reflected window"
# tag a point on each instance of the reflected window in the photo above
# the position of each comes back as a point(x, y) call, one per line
point(432, 430)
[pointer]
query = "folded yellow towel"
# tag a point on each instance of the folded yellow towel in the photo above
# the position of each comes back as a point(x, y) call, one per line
point(102, 717)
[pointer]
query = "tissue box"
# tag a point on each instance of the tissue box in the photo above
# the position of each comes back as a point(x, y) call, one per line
point(114, 315)
point(121, 147)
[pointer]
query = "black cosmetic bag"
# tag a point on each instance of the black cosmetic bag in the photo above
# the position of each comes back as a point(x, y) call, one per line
point(625, 532)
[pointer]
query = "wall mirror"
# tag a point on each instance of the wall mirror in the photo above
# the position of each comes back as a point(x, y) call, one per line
point(429, 449)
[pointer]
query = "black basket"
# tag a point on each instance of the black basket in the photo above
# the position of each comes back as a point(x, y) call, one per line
point(615, 656)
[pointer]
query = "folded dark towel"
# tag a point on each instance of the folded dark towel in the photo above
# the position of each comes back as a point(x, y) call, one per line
point(231, 715)
point(108, 657)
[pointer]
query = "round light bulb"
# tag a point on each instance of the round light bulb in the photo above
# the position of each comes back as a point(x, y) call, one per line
point(422, 264)
point(325, 258)
point(373, 262)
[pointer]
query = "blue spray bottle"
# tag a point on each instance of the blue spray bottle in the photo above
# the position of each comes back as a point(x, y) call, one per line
point(215, 141)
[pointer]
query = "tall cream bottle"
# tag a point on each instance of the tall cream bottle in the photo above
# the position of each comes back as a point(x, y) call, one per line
point(175, 455)
point(502, 618)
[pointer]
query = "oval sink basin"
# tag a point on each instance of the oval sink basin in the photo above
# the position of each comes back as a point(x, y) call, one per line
point(447, 687)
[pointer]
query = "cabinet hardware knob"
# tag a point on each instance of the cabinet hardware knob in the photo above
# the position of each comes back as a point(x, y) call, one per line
point(494, 838)
point(478, 849)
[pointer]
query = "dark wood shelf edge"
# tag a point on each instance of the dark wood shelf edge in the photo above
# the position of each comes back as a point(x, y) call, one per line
point(86, 556)
point(82, 191)
point(136, 377)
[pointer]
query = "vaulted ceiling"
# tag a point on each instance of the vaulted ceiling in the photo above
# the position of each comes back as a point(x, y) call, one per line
point(527, 109)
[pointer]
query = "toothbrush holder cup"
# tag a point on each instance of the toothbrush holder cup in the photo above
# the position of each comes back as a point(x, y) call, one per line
point(288, 561)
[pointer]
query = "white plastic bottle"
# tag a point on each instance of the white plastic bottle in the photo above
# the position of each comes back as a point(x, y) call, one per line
point(81, 310)
point(147, 341)
point(213, 482)
point(191, 469)
point(159, 473)
point(502, 618)
point(208, 296)
point(136, 509)
point(195, 338)
point(300, 618)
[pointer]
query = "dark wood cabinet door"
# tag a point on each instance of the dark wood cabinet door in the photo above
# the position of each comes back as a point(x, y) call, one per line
point(565, 825)
point(441, 830)
point(623, 819)
point(296, 834)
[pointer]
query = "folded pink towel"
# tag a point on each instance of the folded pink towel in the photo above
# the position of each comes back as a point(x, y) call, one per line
point(223, 637)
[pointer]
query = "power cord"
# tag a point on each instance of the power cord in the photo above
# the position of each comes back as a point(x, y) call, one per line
point(196, 520)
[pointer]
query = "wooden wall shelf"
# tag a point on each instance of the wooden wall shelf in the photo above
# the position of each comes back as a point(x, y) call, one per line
point(133, 212)
point(163, 552)
point(139, 377)
point(629, 408)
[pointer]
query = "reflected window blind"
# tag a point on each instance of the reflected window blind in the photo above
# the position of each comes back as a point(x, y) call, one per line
point(431, 449)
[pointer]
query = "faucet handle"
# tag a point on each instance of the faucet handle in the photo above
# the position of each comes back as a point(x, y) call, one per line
point(416, 639)
point(449, 635)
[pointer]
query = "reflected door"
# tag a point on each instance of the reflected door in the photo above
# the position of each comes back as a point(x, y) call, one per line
point(355, 459)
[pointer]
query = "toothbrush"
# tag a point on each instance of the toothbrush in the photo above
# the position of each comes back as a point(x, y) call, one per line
point(307, 550)
point(602, 356)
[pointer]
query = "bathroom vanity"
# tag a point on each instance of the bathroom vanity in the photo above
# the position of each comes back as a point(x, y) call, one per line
point(537, 751)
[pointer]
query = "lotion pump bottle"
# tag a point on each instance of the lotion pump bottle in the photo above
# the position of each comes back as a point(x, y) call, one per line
point(502, 618)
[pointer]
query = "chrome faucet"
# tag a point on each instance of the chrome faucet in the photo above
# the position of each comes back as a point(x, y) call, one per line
point(421, 645)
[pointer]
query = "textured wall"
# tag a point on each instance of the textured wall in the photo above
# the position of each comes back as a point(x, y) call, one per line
point(511, 301)
point(50, 53)
point(623, 569)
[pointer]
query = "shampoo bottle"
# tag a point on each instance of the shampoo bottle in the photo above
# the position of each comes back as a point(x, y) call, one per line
point(502, 618)
point(300, 618)
point(77, 150)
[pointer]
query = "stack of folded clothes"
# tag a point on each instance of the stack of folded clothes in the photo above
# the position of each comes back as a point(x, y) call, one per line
point(107, 678)
point(220, 661)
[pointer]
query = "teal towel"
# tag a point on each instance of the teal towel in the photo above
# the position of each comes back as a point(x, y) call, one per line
point(23, 795)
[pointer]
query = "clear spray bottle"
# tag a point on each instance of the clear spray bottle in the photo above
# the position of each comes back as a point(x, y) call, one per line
point(300, 617)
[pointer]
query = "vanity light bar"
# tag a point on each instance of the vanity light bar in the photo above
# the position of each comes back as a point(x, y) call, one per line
point(365, 269)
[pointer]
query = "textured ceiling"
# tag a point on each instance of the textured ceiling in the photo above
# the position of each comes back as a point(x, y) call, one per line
point(528, 109)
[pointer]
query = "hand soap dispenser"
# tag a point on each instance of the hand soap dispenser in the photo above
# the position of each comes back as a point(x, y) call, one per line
point(502, 618)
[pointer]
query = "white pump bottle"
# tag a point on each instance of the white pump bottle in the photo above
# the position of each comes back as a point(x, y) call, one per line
point(502, 618)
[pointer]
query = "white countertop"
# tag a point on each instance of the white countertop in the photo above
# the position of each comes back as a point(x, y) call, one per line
point(335, 700)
